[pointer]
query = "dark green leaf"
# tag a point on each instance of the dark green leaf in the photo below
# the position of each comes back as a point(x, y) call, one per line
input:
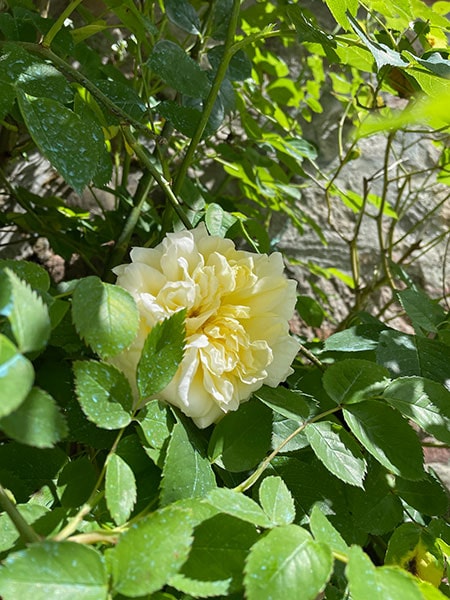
point(242, 438)
point(120, 489)
point(54, 570)
point(220, 547)
point(76, 482)
point(428, 496)
point(375, 509)
point(338, 451)
point(179, 70)
point(237, 505)
point(123, 96)
point(387, 436)
point(42, 80)
point(64, 138)
point(182, 14)
point(405, 354)
point(26, 312)
point(16, 377)
point(111, 323)
point(104, 394)
point(426, 314)
point(285, 561)
point(352, 380)
point(277, 501)
point(310, 311)
point(36, 422)
point(152, 551)
point(239, 67)
point(162, 353)
point(425, 402)
point(183, 118)
point(7, 98)
point(436, 63)
point(186, 473)
point(289, 403)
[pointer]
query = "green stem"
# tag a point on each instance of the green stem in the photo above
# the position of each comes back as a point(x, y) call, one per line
point(150, 165)
point(92, 501)
point(228, 52)
point(266, 462)
point(49, 36)
point(27, 533)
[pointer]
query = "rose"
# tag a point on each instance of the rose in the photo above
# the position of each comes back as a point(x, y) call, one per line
point(237, 304)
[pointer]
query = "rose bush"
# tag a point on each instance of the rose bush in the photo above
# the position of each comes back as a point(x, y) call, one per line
point(238, 305)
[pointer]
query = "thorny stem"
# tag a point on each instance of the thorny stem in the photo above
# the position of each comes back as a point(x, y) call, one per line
point(150, 165)
point(27, 533)
point(245, 485)
point(228, 52)
point(311, 357)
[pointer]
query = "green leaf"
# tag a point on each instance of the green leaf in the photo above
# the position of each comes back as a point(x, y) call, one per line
point(353, 380)
point(36, 422)
point(183, 118)
point(8, 532)
point(25, 311)
point(405, 354)
point(375, 509)
point(242, 438)
point(277, 501)
point(285, 561)
point(426, 314)
point(382, 54)
point(220, 547)
point(54, 570)
point(16, 377)
point(104, 394)
point(35, 275)
point(178, 69)
point(112, 321)
point(323, 531)
point(152, 551)
point(237, 505)
point(161, 356)
point(289, 403)
point(310, 311)
point(424, 401)
point(198, 589)
point(120, 489)
point(123, 96)
point(338, 451)
point(217, 220)
point(182, 14)
point(156, 422)
point(384, 583)
point(428, 496)
point(342, 10)
point(36, 78)
point(7, 98)
point(186, 473)
point(76, 482)
point(64, 138)
point(359, 338)
point(387, 436)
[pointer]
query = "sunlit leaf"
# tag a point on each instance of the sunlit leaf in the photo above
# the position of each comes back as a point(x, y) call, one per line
point(120, 489)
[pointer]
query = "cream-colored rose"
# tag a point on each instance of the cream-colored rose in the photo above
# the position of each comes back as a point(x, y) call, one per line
point(238, 306)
